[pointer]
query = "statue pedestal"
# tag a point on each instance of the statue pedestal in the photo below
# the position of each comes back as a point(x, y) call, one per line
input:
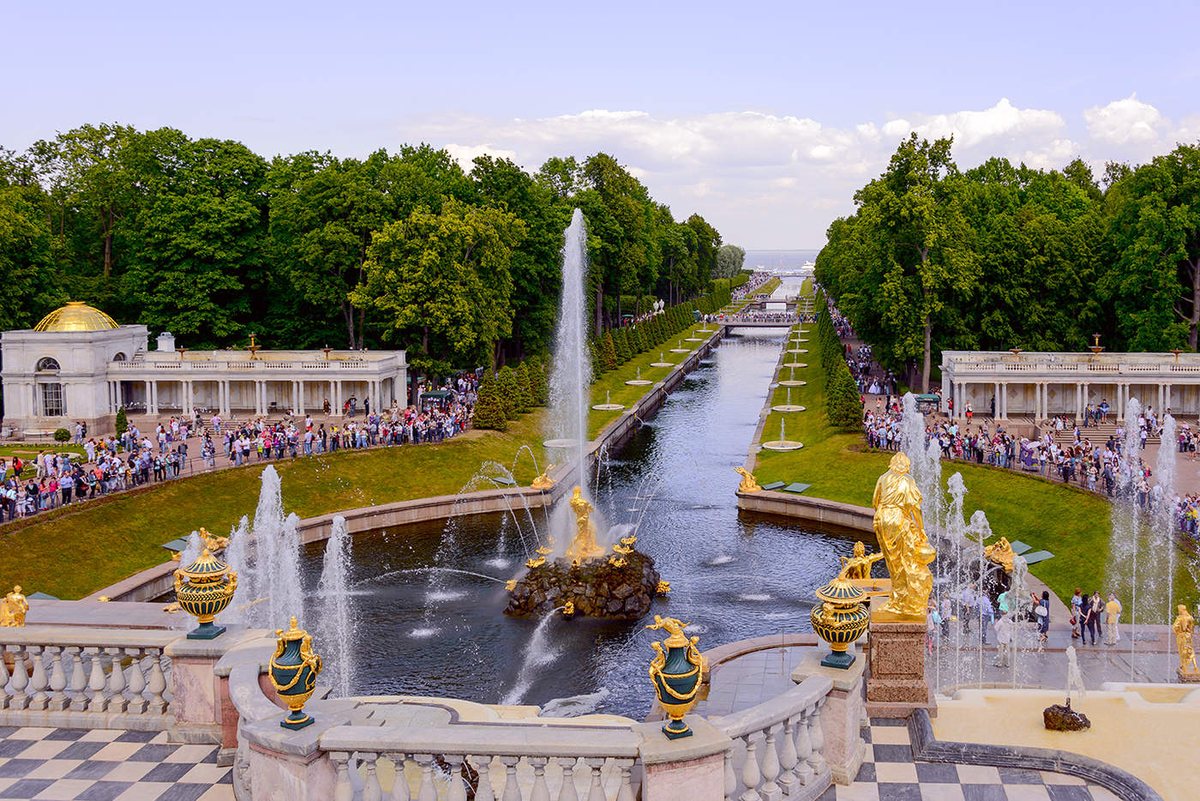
point(897, 684)
point(841, 714)
point(1187, 677)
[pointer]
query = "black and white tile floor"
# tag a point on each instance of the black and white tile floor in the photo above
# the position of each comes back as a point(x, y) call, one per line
point(890, 774)
point(39, 764)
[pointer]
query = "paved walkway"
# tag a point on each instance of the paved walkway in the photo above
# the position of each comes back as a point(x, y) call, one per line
point(107, 765)
point(889, 772)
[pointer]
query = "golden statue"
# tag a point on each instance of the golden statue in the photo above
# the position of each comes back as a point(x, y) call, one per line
point(510, 585)
point(662, 588)
point(568, 609)
point(1000, 553)
point(1184, 627)
point(748, 483)
point(544, 482)
point(859, 565)
point(584, 546)
point(615, 562)
point(13, 609)
point(212, 542)
point(900, 529)
point(531, 563)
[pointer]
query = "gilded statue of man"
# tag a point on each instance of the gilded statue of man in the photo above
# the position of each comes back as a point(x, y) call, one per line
point(900, 529)
point(584, 545)
point(1184, 627)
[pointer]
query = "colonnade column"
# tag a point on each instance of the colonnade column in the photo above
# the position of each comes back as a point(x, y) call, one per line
point(1120, 401)
point(337, 397)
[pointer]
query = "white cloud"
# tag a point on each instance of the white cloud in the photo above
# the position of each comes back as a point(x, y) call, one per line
point(1003, 120)
point(777, 180)
point(465, 154)
point(1125, 121)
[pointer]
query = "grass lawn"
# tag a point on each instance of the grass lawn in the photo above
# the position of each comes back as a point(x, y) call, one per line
point(768, 288)
point(1072, 524)
point(109, 540)
point(29, 452)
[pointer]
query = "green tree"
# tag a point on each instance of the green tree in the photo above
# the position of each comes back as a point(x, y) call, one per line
point(841, 398)
point(442, 280)
point(1154, 230)
point(122, 422)
point(489, 406)
point(525, 383)
point(730, 259)
point(196, 245)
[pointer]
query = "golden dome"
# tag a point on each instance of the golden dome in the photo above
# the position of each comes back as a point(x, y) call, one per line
point(76, 316)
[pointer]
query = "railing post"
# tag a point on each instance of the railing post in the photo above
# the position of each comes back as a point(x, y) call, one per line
point(770, 767)
point(371, 789)
point(343, 790)
point(400, 782)
point(78, 680)
point(540, 791)
point(787, 758)
point(20, 679)
point(751, 775)
point(567, 792)
point(804, 771)
point(39, 681)
point(512, 790)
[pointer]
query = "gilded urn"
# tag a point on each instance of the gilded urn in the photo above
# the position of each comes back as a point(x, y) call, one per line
point(203, 589)
point(840, 619)
point(293, 671)
point(676, 675)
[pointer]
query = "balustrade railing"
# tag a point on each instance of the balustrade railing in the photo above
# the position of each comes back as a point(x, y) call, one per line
point(500, 762)
point(778, 746)
point(61, 676)
point(237, 364)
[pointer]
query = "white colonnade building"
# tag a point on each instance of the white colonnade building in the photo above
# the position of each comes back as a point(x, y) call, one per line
point(1043, 385)
point(78, 364)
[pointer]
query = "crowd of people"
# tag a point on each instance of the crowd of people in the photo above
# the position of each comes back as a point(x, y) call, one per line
point(976, 613)
point(109, 464)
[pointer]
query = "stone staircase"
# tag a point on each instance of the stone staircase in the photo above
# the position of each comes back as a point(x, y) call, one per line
point(1097, 434)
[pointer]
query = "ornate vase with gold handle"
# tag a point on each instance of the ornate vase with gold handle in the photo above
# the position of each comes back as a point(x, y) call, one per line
point(293, 671)
point(203, 589)
point(676, 674)
point(840, 619)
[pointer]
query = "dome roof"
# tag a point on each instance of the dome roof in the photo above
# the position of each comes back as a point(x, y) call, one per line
point(76, 316)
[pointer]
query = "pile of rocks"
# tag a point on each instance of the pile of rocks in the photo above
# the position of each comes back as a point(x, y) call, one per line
point(597, 588)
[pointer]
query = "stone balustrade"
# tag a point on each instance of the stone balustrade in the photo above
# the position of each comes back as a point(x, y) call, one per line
point(82, 677)
point(778, 746)
point(578, 762)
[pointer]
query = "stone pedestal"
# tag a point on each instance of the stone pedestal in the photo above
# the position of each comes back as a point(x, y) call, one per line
point(1187, 677)
point(841, 715)
point(688, 769)
point(201, 706)
point(897, 684)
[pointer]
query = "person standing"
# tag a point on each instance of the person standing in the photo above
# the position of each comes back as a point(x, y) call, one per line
point(1098, 607)
point(1004, 637)
point(1085, 619)
point(1112, 613)
point(1042, 611)
point(1076, 620)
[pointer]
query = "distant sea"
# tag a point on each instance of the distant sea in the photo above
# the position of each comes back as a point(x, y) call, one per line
point(778, 259)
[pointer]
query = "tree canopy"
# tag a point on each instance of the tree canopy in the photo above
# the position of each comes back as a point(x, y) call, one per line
point(1003, 256)
point(211, 241)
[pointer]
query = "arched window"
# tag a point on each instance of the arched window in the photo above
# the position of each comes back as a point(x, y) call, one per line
point(119, 357)
point(47, 365)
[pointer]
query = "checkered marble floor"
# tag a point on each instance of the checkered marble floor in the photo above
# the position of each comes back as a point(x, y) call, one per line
point(890, 774)
point(107, 765)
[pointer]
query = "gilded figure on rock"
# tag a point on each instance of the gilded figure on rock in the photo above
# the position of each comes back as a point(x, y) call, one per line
point(900, 529)
point(584, 546)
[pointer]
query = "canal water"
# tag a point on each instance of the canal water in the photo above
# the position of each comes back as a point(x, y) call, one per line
point(733, 574)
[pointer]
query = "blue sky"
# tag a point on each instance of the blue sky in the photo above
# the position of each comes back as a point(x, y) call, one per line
point(763, 117)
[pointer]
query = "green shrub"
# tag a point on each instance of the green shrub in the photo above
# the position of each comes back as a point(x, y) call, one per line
point(621, 343)
point(538, 385)
point(842, 399)
point(62, 435)
point(608, 352)
point(122, 422)
point(510, 393)
point(525, 384)
point(489, 408)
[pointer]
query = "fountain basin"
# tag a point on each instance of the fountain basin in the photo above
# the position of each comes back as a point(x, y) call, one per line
point(783, 445)
point(561, 443)
point(795, 364)
point(680, 350)
point(609, 407)
point(788, 383)
point(797, 350)
point(597, 588)
point(787, 407)
point(663, 364)
point(693, 339)
point(638, 382)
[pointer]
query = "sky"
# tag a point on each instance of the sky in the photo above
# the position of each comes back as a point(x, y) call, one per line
point(763, 117)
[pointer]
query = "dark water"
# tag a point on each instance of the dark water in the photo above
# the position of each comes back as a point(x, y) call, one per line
point(733, 575)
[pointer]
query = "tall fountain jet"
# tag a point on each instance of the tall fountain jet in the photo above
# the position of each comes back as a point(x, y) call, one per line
point(572, 372)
